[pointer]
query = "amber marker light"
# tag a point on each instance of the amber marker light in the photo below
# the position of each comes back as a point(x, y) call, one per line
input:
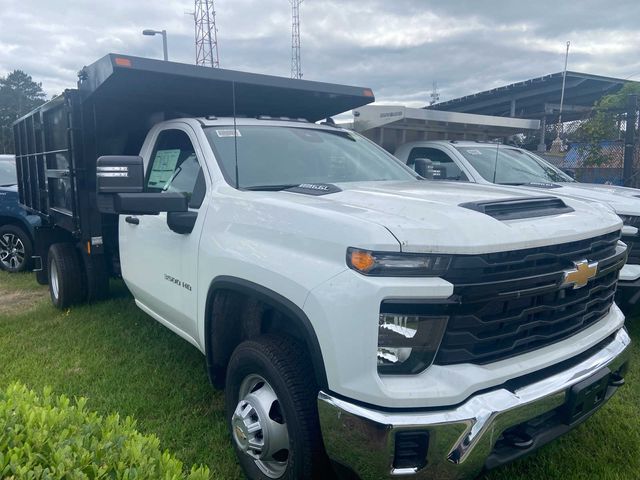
point(123, 62)
point(362, 261)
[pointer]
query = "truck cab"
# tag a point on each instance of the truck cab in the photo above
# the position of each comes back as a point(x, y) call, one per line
point(491, 163)
point(352, 310)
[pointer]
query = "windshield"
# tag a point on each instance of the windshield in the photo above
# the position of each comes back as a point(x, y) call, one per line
point(7, 173)
point(507, 165)
point(286, 156)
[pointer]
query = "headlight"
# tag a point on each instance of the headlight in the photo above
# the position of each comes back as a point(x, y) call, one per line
point(407, 343)
point(391, 264)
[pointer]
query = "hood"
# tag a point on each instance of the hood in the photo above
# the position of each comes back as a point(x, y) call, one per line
point(9, 192)
point(625, 201)
point(426, 216)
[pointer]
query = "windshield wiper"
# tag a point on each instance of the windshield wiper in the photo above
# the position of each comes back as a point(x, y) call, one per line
point(270, 188)
point(8, 185)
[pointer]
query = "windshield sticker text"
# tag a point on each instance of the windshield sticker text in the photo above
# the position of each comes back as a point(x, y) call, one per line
point(228, 133)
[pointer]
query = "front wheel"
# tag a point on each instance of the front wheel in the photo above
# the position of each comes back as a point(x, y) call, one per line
point(15, 249)
point(272, 412)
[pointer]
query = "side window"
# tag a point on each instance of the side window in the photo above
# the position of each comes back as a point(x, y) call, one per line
point(444, 168)
point(174, 166)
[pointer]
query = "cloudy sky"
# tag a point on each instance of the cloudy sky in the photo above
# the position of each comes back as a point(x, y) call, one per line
point(397, 47)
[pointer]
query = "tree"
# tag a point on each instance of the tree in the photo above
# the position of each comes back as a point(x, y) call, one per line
point(604, 124)
point(19, 94)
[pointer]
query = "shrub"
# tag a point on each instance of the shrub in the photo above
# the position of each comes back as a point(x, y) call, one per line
point(49, 437)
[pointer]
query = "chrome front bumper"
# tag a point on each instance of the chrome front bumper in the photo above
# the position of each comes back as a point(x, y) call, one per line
point(461, 438)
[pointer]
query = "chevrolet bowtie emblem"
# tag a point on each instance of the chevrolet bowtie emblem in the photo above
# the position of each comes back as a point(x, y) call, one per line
point(580, 276)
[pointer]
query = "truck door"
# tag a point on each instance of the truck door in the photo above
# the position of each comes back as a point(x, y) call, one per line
point(160, 265)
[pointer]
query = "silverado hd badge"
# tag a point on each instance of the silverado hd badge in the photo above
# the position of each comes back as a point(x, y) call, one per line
point(580, 275)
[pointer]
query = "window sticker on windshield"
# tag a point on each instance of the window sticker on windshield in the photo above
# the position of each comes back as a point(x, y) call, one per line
point(164, 164)
point(474, 152)
point(228, 133)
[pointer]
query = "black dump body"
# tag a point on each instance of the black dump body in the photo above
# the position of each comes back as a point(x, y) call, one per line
point(118, 99)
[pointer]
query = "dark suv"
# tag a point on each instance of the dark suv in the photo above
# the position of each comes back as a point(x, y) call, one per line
point(16, 225)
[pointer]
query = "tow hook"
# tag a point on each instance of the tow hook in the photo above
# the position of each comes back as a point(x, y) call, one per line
point(518, 439)
point(616, 380)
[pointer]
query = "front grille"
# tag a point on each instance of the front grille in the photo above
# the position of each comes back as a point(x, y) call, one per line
point(510, 303)
point(632, 241)
point(633, 245)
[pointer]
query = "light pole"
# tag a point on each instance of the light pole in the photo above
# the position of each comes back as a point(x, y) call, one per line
point(151, 33)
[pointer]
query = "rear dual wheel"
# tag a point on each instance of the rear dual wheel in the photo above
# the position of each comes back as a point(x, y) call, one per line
point(66, 285)
point(74, 277)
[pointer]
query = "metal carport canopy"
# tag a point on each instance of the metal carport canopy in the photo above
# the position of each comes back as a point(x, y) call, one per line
point(191, 90)
point(538, 97)
point(390, 126)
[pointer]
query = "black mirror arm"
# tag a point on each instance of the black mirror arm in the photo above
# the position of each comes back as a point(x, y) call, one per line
point(182, 222)
point(421, 167)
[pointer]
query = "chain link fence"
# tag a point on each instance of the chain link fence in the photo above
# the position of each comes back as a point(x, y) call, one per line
point(592, 148)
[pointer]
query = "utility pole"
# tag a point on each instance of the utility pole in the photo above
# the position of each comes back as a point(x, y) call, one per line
point(557, 144)
point(163, 33)
point(206, 34)
point(296, 65)
point(564, 80)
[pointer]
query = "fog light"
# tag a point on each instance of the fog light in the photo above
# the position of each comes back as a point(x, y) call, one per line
point(407, 344)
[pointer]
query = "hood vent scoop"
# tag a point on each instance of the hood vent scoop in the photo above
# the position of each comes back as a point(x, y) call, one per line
point(515, 208)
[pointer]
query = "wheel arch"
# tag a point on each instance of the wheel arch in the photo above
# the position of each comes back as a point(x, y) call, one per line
point(267, 297)
point(17, 222)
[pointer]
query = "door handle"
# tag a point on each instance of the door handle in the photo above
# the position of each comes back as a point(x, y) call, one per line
point(132, 220)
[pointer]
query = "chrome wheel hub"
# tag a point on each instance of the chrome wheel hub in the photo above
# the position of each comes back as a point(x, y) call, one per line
point(53, 281)
point(259, 428)
point(12, 251)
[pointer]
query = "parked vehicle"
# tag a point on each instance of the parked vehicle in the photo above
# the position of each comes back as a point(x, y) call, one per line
point(401, 326)
point(16, 226)
point(492, 163)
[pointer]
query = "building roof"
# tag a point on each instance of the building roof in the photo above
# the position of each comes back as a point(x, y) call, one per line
point(373, 116)
point(393, 125)
point(538, 97)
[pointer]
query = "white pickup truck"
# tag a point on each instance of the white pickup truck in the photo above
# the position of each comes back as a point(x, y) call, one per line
point(492, 163)
point(397, 326)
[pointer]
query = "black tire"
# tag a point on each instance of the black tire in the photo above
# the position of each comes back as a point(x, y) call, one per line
point(283, 364)
point(66, 278)
point(97, 276)
point(16, 249)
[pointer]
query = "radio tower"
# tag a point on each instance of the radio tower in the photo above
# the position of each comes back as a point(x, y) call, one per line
point(206, 34)
point(435, 96)
point(296, 65)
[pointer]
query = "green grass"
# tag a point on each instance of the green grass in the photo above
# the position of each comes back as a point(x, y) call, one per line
point(122, 360)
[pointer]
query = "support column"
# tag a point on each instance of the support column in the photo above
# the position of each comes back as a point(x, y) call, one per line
point(629, 139)
point(542, 146)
